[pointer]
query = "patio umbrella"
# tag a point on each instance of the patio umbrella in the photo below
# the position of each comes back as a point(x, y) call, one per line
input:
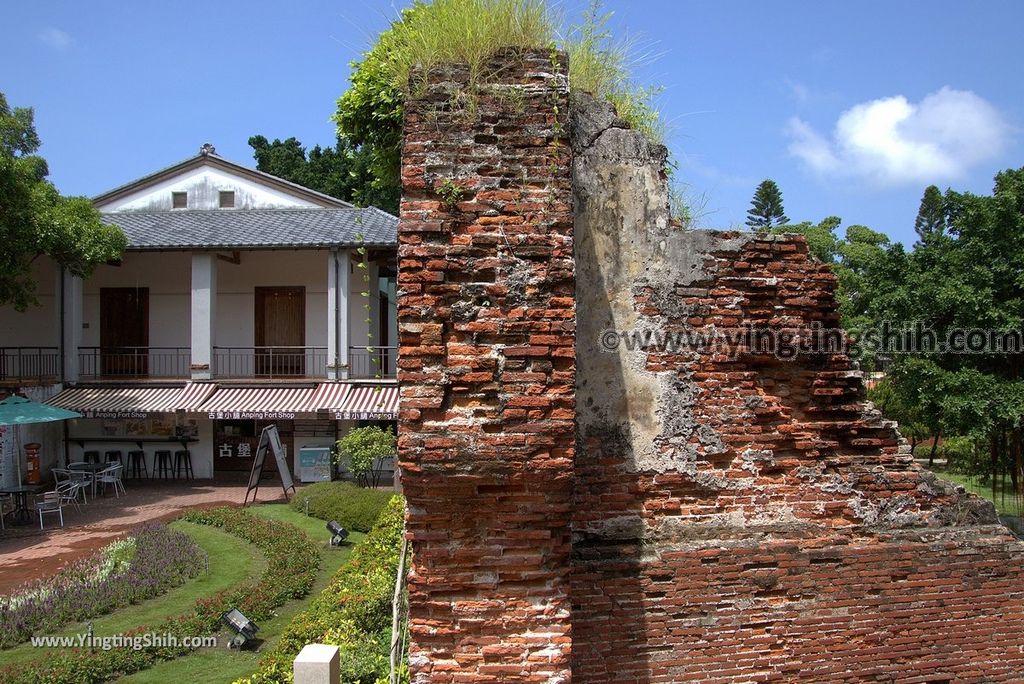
point(15, 410)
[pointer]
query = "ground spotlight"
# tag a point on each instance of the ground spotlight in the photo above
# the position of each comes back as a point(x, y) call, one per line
point(339, 533)
point(246, 629)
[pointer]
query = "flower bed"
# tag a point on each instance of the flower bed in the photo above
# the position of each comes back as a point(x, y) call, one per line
point(292, 563)
point(353, 612)
point(148, 563)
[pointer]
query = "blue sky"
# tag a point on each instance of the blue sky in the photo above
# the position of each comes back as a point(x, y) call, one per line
point(853, 108)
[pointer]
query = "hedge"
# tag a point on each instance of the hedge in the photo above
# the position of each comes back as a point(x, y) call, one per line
point(292, 564)
point(353, 612)
point(355, 508)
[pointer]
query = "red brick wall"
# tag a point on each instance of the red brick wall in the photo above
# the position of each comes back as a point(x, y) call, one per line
point(717, 515)
point(487, 369)
point(801, 543)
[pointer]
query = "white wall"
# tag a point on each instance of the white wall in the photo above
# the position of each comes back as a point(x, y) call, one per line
point(203, 186)
point(236, 299)
point(168, 277)
point(38, 326)
point(202, 451)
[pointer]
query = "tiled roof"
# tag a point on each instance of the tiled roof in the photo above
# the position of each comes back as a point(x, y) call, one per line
point(255, 228)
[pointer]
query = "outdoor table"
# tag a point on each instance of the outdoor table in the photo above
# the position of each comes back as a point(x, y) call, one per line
point(20, 514)
point(92, 468)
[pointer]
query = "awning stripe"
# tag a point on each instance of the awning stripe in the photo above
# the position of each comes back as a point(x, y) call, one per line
point(259, 402)
point(330, 396)
point(118, 401)
point(368, 402)
point(194, 394)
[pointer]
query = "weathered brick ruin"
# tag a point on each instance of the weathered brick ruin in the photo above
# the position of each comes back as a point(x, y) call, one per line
point(718, 515)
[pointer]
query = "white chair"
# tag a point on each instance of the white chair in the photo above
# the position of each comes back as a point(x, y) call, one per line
point(53, 502)
point(69, 493)
point(80, 479)
point(112, 476)
point(5, 499)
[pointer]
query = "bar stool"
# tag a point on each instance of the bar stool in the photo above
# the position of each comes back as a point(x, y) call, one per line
point(114, 455)
point(162, 465)
point(137, 464)
point(91, 456)
point(183, 461)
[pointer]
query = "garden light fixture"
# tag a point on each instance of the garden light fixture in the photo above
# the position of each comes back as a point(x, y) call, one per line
point(246, 629)
point(339, 533)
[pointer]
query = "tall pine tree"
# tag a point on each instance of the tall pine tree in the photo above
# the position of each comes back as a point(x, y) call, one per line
point(931, 217)
point(766, 210)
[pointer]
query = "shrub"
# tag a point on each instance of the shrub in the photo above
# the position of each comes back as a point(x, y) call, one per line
point(353, 612)
point(353, 507)
point(151, 561)
point(365, 447)
point(292, 563)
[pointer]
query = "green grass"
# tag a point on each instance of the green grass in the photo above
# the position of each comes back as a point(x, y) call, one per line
point(232, 561)
point(1004, 498)
point(216, 666)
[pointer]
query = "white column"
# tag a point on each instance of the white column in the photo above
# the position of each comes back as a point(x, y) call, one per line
point(204, 314)
point(317, 664)
point(337, 314)
point(373, 327)
point(71, 327)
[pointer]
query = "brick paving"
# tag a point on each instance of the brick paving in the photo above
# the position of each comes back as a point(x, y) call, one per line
point(28, 553)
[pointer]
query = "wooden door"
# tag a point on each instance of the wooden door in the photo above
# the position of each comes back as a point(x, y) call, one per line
point(124, 330)
point(280, 331)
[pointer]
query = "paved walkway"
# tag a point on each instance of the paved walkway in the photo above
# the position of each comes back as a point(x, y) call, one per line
point(27, 553)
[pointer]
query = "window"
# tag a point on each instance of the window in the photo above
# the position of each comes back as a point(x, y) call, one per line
point(227, 199)
point(179, 200)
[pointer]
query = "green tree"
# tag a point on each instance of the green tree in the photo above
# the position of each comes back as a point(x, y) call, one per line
point(35, 220)
point(931, 216)
point(343, 171)
point(766, 210)
point(365, 447)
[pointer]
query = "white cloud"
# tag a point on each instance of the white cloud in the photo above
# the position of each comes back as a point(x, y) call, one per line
point(55, 38)
point(893, 141)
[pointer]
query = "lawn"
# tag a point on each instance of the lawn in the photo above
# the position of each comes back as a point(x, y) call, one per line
point(221, 665)
point(232, 561)
point(1004, 498)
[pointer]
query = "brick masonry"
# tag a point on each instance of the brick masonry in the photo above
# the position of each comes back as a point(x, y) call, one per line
point(487, 370)
point(649, 515)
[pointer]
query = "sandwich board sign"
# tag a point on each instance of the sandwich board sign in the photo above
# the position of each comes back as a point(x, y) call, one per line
point(270, 440)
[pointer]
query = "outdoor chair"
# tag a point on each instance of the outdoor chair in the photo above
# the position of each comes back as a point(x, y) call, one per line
point(6, 506)
point(112, 476)
point(137, 464)
point(69, 491)
point(77, 480)
point(183, 463)
point(52, 502)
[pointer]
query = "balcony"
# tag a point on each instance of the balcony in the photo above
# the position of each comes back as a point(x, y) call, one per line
point(366, 363)
point(270, 362)
point(98, 363)
point(39, 364)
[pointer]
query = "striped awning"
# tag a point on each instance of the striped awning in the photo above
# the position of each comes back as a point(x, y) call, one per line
point(194, 394)
point(118, 402)
point(259, 403)
point(369, 402)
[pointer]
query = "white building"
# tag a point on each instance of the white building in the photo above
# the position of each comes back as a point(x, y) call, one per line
point(242, 299)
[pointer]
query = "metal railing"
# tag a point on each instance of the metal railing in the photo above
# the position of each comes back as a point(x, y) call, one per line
point(134, 362)
point(29, 363)
point(270, 362)
point(372, 362)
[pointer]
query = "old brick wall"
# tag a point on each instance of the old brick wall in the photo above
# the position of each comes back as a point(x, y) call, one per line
point(487, 370)
point(584, 509)
point(740, 516)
